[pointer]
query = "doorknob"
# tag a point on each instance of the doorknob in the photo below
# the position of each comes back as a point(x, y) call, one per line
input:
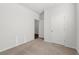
point(51, 30)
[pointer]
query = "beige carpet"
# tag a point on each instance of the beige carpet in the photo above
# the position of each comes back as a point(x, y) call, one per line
point(39, 47)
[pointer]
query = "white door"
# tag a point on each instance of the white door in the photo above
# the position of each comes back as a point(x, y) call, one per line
point(58, 29)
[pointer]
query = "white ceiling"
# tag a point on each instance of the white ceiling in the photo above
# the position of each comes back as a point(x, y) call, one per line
point(38, 7)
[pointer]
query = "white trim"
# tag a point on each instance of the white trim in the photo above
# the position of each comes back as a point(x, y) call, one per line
point(13, 46)
point(7, 48)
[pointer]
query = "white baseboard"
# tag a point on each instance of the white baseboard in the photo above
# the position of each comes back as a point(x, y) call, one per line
point(13, 46)
point(61, 44)
point(7, 48)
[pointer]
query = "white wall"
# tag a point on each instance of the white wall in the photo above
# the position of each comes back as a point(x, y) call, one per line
point(77, 5)
point(59, 25)
point(16, 25)
point(41, 25)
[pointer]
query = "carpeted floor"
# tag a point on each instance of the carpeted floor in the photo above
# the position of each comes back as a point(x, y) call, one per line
point(39, 47)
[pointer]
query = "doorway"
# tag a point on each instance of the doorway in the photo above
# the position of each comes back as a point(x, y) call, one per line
point(36, 35)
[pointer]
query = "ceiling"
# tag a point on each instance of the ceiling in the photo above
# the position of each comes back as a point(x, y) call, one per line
point(38, 7)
